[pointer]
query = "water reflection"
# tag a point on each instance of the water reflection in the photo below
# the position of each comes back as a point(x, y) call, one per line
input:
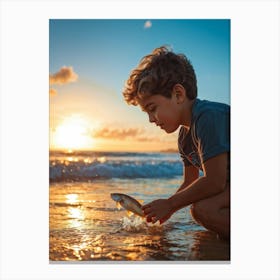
point(71, 198)
point(76, 217)
point(86, 225)
point(71, 159)
point(82, 249)
point(75, 213)
point(207, 246)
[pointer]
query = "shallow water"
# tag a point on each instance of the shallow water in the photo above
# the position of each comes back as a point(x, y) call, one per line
point(85, 225)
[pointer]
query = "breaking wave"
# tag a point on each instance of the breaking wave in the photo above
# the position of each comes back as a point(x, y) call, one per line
point(91, 166)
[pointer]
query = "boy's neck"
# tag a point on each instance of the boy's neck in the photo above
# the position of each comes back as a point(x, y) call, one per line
point(188, 113)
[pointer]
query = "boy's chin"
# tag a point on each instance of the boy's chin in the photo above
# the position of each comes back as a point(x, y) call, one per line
point(170, 130)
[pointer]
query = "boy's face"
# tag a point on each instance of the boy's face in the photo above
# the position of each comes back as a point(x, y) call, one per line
point(164, 112)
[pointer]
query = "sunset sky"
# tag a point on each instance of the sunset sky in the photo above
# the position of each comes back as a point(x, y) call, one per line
point(90, 60)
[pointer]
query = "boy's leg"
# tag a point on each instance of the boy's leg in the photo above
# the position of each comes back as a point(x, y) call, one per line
point(214, 213)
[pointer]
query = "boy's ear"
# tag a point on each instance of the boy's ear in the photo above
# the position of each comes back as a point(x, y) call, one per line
point(179, 93)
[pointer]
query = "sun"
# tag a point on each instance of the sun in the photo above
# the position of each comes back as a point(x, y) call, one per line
point(73, 134)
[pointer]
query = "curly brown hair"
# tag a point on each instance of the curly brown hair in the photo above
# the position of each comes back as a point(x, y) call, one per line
point(157, 73)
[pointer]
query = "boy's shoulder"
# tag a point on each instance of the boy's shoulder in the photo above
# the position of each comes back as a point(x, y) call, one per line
point(209, 132)
point(205, 111)
point(207, 107)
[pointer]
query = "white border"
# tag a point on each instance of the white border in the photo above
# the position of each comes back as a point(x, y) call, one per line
point(255, 137)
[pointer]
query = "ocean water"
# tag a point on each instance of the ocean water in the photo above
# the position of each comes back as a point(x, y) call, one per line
point(89, 166)
point(86, 225)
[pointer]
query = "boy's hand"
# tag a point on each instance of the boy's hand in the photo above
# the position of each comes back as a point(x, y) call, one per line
point(158, 210)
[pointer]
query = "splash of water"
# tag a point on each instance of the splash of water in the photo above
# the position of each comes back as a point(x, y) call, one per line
point(137, 223)
point(133, 223)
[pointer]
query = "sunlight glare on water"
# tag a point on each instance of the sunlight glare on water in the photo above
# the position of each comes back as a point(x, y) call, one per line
point(71, 198)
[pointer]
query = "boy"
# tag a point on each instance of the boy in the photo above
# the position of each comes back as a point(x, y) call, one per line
point(164, 86)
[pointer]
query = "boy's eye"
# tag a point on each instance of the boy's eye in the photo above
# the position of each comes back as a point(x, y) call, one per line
point(152, 109)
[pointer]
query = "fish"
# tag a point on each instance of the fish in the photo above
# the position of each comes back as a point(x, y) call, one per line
point(129, 203)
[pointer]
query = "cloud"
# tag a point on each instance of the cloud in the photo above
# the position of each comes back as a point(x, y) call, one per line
point(63, 76)
point(122, 134)
point(119, 134)
point(148, 139)
point(53, 92)
point(148, 24)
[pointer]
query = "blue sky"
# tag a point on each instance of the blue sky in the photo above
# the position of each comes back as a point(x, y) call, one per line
point(103, 52)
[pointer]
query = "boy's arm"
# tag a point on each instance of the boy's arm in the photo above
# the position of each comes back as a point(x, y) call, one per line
point(213, 182)
point(191, 173)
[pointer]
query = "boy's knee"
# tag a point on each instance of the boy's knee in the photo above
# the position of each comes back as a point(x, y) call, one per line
point(207, 214)
point(200, 211)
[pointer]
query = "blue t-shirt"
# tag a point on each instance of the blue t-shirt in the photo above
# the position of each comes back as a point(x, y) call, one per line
point(209, 133)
